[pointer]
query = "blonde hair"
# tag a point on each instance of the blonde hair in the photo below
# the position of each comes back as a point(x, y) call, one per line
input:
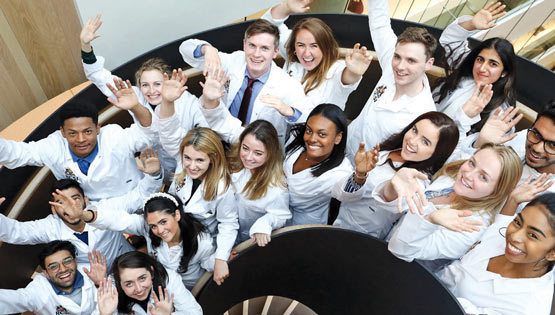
point(327, 44)
point(268, 174)
point(207, 141)
point(511, 171)
point(151, 64)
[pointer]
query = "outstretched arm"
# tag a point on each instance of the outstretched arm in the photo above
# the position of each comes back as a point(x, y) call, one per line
point(483, 20)
point(88, 33)
point(383, 37)
point(126, 99)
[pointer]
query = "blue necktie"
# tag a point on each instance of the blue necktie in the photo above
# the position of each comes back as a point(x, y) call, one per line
point(83, 165)
point(84, 237)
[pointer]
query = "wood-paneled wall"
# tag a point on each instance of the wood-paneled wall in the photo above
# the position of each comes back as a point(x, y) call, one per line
point(39, 54)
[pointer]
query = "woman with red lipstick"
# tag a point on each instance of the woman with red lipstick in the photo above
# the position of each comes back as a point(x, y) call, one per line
point(424, 145)
point(480, 185)
point(479, 80)
point(312, 56)
point(144, 286)
point(510, 271)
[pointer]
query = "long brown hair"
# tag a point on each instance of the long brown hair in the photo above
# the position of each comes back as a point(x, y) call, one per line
point(511, 171)
point(326, 42)
point(271, 172)
point(207, 141)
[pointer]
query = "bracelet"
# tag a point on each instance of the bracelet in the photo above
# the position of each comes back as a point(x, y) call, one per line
point(361, 177)
point(93, 217)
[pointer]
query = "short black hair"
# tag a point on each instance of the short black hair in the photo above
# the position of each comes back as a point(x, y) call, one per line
point(78, 108)
point(54, 247)
point(67, 183)
point(548, 111)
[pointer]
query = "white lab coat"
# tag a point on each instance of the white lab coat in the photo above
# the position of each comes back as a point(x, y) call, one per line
point(40, 298)
point(112, 173)
point(483, 292)
point(183, 301)
point(382, 116)
point(331, 90)
point(111, 244)
point(218, 215)
point(359, 211)
point(455, 37)
point(278, 84)
point(414, 237)
point(189, 116)
point(309, 196)
point(261, 215)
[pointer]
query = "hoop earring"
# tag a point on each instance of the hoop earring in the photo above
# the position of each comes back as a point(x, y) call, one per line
point(500, 233)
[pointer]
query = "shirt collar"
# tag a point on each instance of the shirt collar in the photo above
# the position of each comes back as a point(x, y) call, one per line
point(79, 282)
point(89, 158)
point(263, 78)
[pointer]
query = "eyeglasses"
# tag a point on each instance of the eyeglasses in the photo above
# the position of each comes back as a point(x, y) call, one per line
point(535, 137)
point(53, 267)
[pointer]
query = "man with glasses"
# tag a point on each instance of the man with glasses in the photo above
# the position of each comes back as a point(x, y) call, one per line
point(60, 289)
point(535, 146)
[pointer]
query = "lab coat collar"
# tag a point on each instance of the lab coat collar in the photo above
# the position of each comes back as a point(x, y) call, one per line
point(478, 270)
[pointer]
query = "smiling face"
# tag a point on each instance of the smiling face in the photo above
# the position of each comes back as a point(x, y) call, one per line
point(165, 226)
point(478, 176)
point(151, 86)
point(59, 211)
point(196, 163)
point(536, 156)
point(320, 137)
point(409, 64)
point(252, 152)
point(529, 237)
point(259, 52)
point(307, 50)
point(136, 283)
point(80, 133)
point(488, 67)
point(61, 270)
point(420, 142)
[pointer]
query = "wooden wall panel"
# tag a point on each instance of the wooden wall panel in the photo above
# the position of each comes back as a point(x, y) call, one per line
point(40, 54)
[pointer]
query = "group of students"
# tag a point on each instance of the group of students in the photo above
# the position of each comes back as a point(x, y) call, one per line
point(440, 175)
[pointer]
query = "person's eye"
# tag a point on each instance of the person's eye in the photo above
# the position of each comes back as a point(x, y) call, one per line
point(300, 45)
point(186, 158)
point(414, 130)
point(153, 227)
point(426, 142)
point(142, 278)
point(308, 131)
point(88, 132)
point(321, 134)
point(412, 61)
point(471, 163)
point(258, 153)
point(128, 284)
point(200, 160)
point(163, 222)
point(479, 59)
point(396, 56)
point(484, 178)
point(533, 235)
point(53, 267)
point(516, 221)
point(314, 45)
point(158, 84)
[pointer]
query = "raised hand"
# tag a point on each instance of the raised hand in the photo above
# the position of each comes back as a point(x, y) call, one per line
point(88, 33)
point(98, 267)
point(221, 271)
point(496, 127)
point(163, 303)
point(405, 183)
point(107, 297)
point(298, 6)
point(365, 161)
point(69, 206)
point(174, 86)
point(357, 60)
point(277, 104)
point(261, 239)
point(126, 98)
point(454, 220)
point(530, 188)
point(213, 87)
point(478, 101)
point(492, 11)
point(149, 163)
point(212, 61)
